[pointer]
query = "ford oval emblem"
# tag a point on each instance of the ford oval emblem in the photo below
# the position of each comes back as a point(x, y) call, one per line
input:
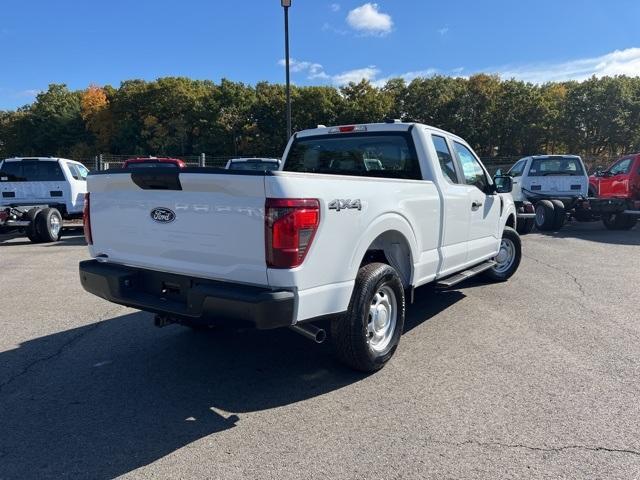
point(163, 215)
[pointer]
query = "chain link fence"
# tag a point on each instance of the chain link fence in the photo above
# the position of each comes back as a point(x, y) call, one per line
point(105, 161)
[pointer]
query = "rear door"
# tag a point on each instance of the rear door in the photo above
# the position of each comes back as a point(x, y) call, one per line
point(456, 211)
point(207, 225)
point(33, 181)
point(484, 208)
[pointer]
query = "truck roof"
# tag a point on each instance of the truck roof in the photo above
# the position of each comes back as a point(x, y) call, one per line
point(40, 159)
point(391, 126)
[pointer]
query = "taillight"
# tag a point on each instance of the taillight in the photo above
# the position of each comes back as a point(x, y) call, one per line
point(290, 225)
point(86, 219)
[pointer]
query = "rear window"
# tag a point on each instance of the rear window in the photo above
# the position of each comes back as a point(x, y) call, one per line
point(253, 166)
point(151, 165)
point(31, 171)
point(363, 154)
point(555, 166)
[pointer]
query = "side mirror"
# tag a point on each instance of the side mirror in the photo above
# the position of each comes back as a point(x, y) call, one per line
point(503, 184)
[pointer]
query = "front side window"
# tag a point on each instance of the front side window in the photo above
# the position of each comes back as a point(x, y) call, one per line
point(78, 172)
point(445, 158)
point(517, 169)
point(361, 154)
point(622, 167)
point(471, 168)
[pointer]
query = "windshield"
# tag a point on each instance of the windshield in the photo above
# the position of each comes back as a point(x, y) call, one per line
point(31, 171)
point(555, 166)
point(259, 165)
point(365, 154)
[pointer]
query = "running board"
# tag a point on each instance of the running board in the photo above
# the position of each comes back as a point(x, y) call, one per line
point(462, 276)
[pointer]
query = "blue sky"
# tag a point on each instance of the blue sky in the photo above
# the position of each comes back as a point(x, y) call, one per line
point(80, 42)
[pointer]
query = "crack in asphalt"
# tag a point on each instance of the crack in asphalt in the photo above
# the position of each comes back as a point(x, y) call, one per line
point(544, 449)
point(55, 354)
point(564, 272)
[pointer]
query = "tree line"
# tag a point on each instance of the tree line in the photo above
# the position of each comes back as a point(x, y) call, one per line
point(178, 116)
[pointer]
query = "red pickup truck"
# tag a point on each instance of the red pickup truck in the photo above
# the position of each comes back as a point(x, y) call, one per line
point(617, 192)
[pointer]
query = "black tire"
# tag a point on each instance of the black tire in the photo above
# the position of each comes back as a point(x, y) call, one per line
point(32, 232)
point(502, 273)
point(353, 344)
point(545, 215)
point(560, 214)
point(49, 225)
point(525, 225)
point(619, 221)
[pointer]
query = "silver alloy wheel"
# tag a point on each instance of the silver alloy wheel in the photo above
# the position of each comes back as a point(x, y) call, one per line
point(540, 215)
point(54, 223)
point(383, 313)
point(505, 257)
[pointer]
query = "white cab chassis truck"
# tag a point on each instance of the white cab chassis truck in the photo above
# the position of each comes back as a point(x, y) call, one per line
point(355, 219)
point(39, 194)
point(547, 189)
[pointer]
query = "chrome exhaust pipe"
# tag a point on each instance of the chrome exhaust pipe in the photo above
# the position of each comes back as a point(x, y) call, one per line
point(310, 331)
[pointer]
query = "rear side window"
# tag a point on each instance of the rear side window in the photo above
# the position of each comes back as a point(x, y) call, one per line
point(445, 158)
point(32, 171)
point(555, 166)
point(363, 154)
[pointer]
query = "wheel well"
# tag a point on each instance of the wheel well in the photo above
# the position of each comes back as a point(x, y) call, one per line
point(393, 249)
point(511, 221)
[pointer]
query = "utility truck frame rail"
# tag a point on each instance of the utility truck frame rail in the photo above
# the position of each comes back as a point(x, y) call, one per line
point(354, 220)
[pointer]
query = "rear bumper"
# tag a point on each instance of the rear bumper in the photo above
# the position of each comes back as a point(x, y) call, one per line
point(188, 298)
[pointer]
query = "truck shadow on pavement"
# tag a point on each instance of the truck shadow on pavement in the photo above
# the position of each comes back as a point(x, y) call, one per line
point(19, 240)
point(104, 399)
point(595, 232)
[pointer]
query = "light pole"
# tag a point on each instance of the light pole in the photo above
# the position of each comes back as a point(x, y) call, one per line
point(285, 5)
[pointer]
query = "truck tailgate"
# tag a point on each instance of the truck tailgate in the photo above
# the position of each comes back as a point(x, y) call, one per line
point(204, 224)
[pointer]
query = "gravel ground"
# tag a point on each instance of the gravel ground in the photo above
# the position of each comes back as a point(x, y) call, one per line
point(534, 378)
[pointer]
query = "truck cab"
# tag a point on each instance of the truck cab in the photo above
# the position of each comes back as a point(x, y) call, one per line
point(620, 180)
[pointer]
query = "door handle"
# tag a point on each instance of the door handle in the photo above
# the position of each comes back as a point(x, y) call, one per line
point(476, 205)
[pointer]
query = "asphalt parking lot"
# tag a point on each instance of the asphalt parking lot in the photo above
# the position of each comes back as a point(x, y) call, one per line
point(535, 378)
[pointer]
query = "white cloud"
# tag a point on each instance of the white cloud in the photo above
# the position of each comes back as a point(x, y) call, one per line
point(335, 7)
point(618, 62)
point(443, 31)
point(313, 70)
point(368, 19)
point(356, 75)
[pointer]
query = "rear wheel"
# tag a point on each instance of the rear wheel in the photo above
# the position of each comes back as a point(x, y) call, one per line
point(560, 214)
point(619, 221)
point(508, 258)
point(366, 337)
point(545, 215)
point(49, 225)
point(32, 232)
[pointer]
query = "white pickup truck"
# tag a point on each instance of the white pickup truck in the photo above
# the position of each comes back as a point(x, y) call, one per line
point(39, 194)
point(354, 220)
